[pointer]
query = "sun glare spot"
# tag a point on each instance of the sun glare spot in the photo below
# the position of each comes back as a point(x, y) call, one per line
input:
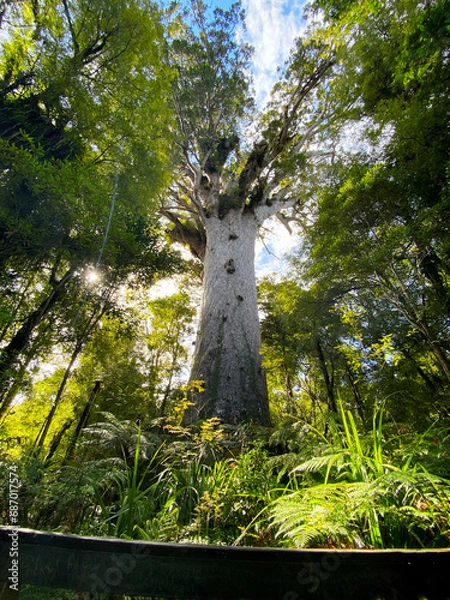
point(92, 276)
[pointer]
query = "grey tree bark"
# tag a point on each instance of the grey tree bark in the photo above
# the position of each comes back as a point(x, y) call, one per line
point(227, 359)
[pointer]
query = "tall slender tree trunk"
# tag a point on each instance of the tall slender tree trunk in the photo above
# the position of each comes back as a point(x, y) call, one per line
point(82, 422)
point(83, 337)
point(227, 359)
point(328, 380)
point(11, 353)
point(39, 442)
point(56, 441)
point(355, 390)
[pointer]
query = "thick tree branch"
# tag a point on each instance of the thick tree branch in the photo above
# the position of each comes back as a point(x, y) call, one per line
point(290, 111)
point(271, 207)
point(186, 233)
point(263, 154)
point(285, 220)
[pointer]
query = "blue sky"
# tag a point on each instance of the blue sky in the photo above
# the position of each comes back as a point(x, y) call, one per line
point(272, 26)
point(220, 3)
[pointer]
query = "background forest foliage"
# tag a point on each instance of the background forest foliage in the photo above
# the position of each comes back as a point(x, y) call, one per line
point(356, 345)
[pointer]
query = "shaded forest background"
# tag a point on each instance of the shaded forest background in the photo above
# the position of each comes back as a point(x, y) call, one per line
point(94, 366)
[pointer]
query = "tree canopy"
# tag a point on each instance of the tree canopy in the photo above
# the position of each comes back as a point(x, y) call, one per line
point(79, 86)
point(379, 239)
point(127, 128)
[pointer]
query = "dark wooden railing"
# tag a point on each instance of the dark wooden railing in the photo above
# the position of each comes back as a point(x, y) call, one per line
point(195, 572)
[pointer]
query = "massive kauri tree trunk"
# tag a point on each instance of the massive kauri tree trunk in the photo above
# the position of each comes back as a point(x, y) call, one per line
point(227, 357)
point(221, 198)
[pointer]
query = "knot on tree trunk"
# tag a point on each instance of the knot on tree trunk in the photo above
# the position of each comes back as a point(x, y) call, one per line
point(230, 267)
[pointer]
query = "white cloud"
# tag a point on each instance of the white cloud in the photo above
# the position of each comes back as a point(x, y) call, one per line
point(273, 249)
point(272, 26)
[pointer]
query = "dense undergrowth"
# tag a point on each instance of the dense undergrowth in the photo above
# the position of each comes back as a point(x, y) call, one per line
point(289, 487)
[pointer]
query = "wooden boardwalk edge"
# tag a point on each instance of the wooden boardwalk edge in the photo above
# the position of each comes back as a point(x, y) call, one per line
point(196, 572)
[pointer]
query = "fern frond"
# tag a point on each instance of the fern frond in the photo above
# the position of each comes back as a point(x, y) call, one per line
point(318, 463)
point(318, 513)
